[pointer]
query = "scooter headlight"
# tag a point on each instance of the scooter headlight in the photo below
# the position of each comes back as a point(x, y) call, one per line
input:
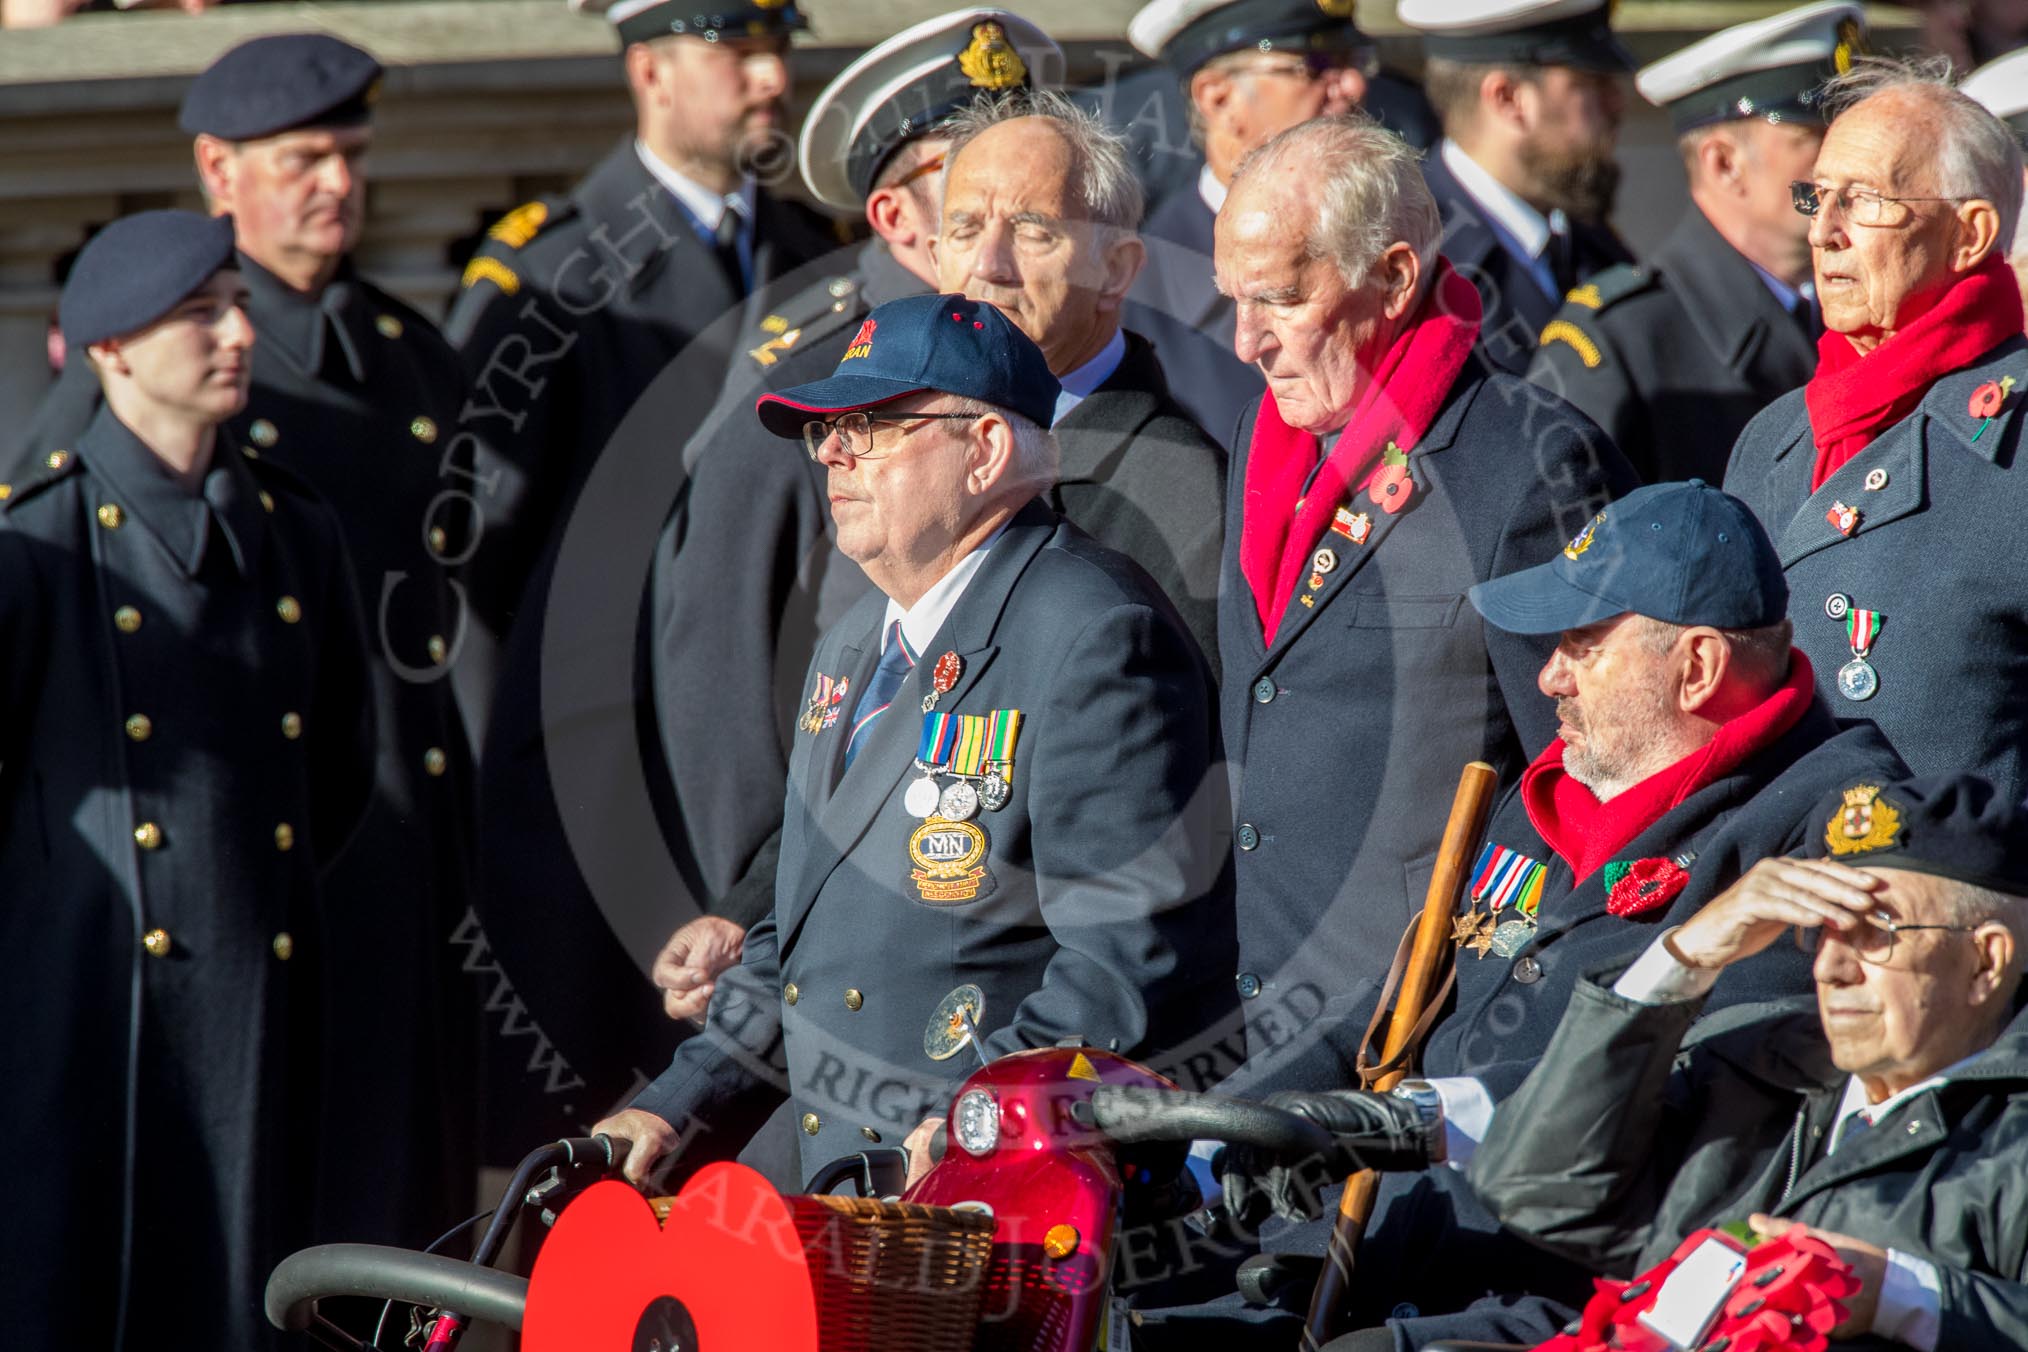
point(976, 1121)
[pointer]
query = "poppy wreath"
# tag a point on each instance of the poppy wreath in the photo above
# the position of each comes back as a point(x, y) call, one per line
point(728, 1261)
point(1787, 1300)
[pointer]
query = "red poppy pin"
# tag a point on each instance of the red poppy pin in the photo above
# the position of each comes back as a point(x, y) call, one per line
point(728, 1261)
point(1390, 488)
point(1988, 400)
point(1642, 885)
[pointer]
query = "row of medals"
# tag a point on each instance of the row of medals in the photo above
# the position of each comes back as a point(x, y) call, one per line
point(959, 800)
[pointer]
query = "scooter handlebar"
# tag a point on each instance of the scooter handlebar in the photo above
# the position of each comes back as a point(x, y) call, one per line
point(1138, 1114)
point(426, 1279)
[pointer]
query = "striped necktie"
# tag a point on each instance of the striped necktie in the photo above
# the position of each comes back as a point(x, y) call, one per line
point(895, 662)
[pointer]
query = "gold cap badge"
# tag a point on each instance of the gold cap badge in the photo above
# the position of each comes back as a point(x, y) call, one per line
point(1863, 823)
point(1584, 537)
point(991, 62)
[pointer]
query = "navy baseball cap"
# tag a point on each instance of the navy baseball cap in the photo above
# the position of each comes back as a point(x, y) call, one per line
point(1682, 553)
point(138, 269)
point(942, 343)
point(1954, 826)
point(278, 83)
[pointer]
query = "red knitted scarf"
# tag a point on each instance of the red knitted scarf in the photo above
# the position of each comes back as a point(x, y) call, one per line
point(1281, 523)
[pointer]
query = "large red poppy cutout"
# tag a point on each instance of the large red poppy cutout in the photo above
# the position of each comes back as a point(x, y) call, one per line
point(728, 1260)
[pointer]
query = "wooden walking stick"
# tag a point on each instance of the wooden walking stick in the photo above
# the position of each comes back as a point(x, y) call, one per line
point(1419, 986)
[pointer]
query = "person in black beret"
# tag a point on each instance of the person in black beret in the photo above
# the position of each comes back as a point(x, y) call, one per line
point(186, 743)
point(357, 392)
point(1890, 1121)
point(570, 308)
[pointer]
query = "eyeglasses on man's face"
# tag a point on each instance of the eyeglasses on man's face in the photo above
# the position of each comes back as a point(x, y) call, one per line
point(1872, 940)
point(1861, 206)
point(855, 431)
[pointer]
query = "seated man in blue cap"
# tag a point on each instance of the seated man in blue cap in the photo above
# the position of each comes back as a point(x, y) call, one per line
point(185, 745)
point(1003, 796)
point(1890, 1121)
point(1691, 745)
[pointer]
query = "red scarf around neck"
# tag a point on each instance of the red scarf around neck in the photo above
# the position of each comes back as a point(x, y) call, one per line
point(1853, 398)
point(1280, 523)
point(1586, 833)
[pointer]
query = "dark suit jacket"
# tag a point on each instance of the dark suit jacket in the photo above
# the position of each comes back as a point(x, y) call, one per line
point(185, 744)
point(1346, 737)
point(1674, 356)
point(567, 314)
point(1935, 553)
point(1100, 911)
point(1139, 475)
point(1516, 305)
point(1175, 304)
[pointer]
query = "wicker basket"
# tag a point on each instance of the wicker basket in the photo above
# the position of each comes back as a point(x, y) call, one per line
point(893, 1276)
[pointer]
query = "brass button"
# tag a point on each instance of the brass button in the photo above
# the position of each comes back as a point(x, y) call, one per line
point(156, 941)
point(423, 429)
point(285, 837)
point(111, 517)
point(812, 1124)
point(438, 649)
point(263, 433)
point(148, 836)
point(853, 999)
point(870, 1134)
point(267, 501)
point(435, 762)
point(57, 459)
point(440, 540)
point(790, 994)
point(6, 492)
point(285, 946)
point(289, 609)
point(249, 452)
point(140, 727)
point(389, 326)
point(292, 726)
point(126, 619)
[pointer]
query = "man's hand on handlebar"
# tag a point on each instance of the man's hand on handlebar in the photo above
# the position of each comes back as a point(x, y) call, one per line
point(1257, 1181)
point(652, 1137)
point(689, 965)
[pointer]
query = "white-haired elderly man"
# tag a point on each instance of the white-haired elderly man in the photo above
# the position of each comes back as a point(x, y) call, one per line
point(1891, 1121)
point(1041, 215)
point(1892, 482)
point(1387, 469)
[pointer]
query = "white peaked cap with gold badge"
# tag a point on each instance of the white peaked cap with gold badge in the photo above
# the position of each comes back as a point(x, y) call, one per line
point(1773, 68)
point(908, 85)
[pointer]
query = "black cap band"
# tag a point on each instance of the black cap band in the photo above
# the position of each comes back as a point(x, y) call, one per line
point(1583, 41)
point(682, 18)
point(1789, 94)
point(1266, 26)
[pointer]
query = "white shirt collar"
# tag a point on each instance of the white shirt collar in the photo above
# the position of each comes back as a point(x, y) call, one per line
point(707, 206)
point(1525, 225)
point(1854, 1103)
point(1211, 190)
point(920, 622)
point(1088, 377)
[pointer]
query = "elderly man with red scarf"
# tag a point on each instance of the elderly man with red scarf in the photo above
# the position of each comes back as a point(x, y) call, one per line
point(1387, 469)
point(1893, 483)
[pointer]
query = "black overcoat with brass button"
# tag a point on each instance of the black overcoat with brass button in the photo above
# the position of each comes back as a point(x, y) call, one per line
point(1099, 912)
point(1346, 735)
point(1935, 552)
point(357, 393)
point(185, 742)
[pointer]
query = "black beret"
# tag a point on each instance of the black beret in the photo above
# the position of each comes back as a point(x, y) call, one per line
point(1954, 826)
point(277, 83)
point(135, 271)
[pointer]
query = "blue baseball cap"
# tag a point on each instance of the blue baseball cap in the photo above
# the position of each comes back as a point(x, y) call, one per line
point(942, 343)
point(1683, 553)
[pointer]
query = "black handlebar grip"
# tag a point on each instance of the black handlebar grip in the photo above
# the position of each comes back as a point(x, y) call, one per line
point(601, 1151)
point(1134, 1114)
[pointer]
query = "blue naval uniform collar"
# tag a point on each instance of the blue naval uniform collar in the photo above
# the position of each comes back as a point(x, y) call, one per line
point(143, 486)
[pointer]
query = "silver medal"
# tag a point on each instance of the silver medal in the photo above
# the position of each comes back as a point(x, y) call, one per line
point(993, 793)
point(1858, 680)
point(959, 803)
point(921, 799)
point(1513, 936)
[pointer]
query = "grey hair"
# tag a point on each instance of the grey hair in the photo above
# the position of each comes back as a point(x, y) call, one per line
point(1762, 655)
point(1372, 192)
point(1036, 454)
point(1106, 181)
point(1975, 153)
